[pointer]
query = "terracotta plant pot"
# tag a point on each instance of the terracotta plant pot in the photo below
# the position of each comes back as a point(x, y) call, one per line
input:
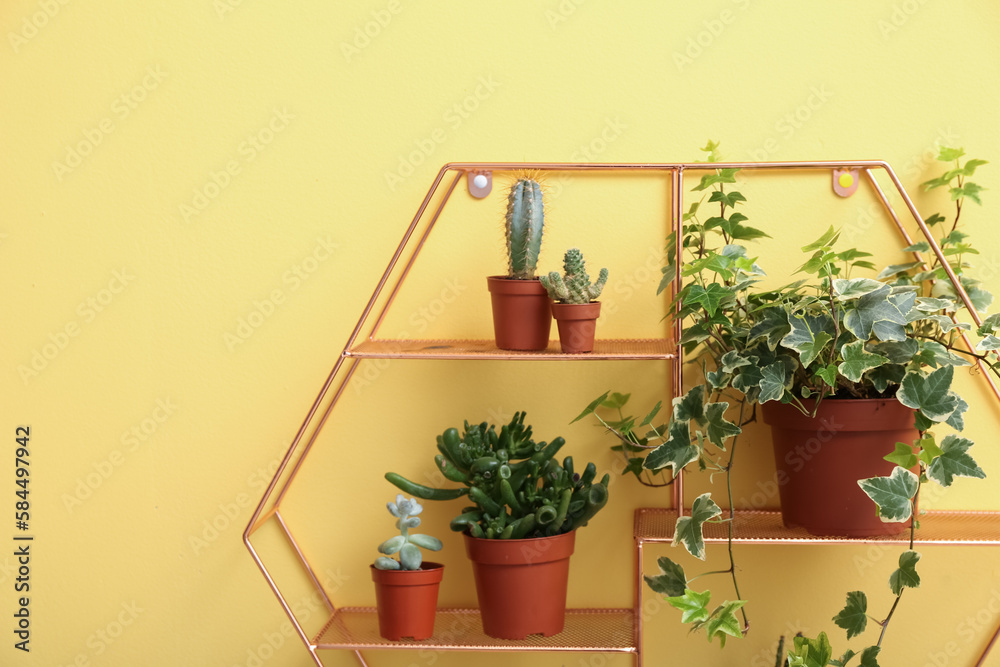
point(521, 584)
point(521, 316)
point(407, 600)
point(820, 460)
point(577, 325)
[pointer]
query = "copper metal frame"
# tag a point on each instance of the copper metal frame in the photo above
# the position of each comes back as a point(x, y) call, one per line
point(354, 353)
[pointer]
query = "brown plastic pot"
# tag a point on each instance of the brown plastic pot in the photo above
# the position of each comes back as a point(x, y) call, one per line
point(820, 460)
point(407, 600)
point(577, 325)
point(521, 584)
point(521, 316)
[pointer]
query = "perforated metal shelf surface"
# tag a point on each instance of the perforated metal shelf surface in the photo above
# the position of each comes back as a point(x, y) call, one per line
point(598, 630)
point(622, 349)
point(760, 527)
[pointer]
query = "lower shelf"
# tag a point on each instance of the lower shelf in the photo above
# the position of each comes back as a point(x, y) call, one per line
point(760, 527)
point(593, 630)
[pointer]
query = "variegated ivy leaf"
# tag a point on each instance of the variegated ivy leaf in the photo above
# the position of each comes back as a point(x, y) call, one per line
point(947, 324)
point(931, 394)
point(956, 419)
point(989, 343)
point(748, 377)
point(772, 326)
point(732, 360)
point(919, 246)
point(852, 288)
point(676, 452)
point(881, 313)
point(719, 379)
point(896, 269)
point(931, 305)
point(898, 352)
point(671, 581)
point(857, 361)
point(691, 405)
point(885, 375)
point(954, 461)
point(905, 576)
point(774, 381)
point(719, 429)
point(935, 354)
point(688, 530)
point(893, 494)
point(980, 298)
point(990, 325)
point(809, 335)
point(869, 657)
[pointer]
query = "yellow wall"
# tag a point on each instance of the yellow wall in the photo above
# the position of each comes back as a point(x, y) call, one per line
point(169, 169)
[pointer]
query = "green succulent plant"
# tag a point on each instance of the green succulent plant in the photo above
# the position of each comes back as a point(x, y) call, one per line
point(576, 286)
point(523, 227)
point(406, 544)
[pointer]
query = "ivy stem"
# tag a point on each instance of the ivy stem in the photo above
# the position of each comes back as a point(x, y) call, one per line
point(732, 516)
point(913, 528)
point(885, 623)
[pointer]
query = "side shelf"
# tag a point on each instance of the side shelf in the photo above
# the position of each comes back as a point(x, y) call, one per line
point(604, 350)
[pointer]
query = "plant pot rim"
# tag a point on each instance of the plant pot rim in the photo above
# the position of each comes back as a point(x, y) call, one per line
point(527, 551)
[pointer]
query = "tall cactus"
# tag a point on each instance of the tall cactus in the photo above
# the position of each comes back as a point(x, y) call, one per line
point(523, 227)
point(517, 487)
point(576, 287)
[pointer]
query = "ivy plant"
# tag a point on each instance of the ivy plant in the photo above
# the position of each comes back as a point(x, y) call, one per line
point(842, 329)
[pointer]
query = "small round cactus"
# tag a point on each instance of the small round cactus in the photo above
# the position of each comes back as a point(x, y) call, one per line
point(406, 545)
point(576, 287)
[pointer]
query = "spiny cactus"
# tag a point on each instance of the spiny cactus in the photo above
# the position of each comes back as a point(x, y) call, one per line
point(406, 545)
point(576, 287)
point(518, 489)
point(523, 228)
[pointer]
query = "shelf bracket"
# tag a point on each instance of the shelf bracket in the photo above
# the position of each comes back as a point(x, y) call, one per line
point(480, 183)
point(845, 181)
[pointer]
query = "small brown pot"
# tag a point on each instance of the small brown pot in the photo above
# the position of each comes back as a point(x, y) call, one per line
point(521, 584)
point(577, 325)
point(820, 460)
point(521, 316)
point(407, 600)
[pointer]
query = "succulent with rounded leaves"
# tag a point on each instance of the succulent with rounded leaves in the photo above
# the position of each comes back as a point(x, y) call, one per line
point(576, 286)
point(407, 545)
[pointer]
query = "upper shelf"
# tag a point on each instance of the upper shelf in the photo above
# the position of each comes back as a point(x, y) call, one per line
point(760, 527)
point(620, 349)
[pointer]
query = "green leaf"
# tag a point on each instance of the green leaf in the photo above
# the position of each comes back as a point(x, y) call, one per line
point(931, 305)
point(692, 605)
point(773, 325)
point(919, 246)
point(688, 530)
point(828, 374)
point(720, 176)
point(829, 237)
point(970, 167)
point(732, 360)
point(946, 323)
point(935, 219)
point(989, 325)
point(691, 405)
point(980, 298)
point(744, 233)
point(903, 456)
point(671, 580)
point(676, 452)
point(906, 575)
point(854, 616)
point(720, 430)
point(929, 449)
point(648, 419)
point(950, 154)
point(970, 190)
point(988, 344)
point(857, 361)
point(954, 461)
point(930, 394)
point(853, 288)
point(592, 406)
point(894, 269)
point(880, 312)
point(869, 657)
point(809, 335)
point(748, 379)
point(892, 494)
point(885, 375)
point(810, 652)
point(718, 379)
point(844, 659)
point(723, 621)
point(710, 298)
point(774, 382)
point(615, 401)
point(728, 198)
point(956, 419)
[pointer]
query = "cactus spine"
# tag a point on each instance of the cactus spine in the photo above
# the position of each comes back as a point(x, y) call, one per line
point(576, 287)
point(523, 226)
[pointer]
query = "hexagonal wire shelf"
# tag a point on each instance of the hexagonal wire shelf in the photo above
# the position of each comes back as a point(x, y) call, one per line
point(592, 630)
